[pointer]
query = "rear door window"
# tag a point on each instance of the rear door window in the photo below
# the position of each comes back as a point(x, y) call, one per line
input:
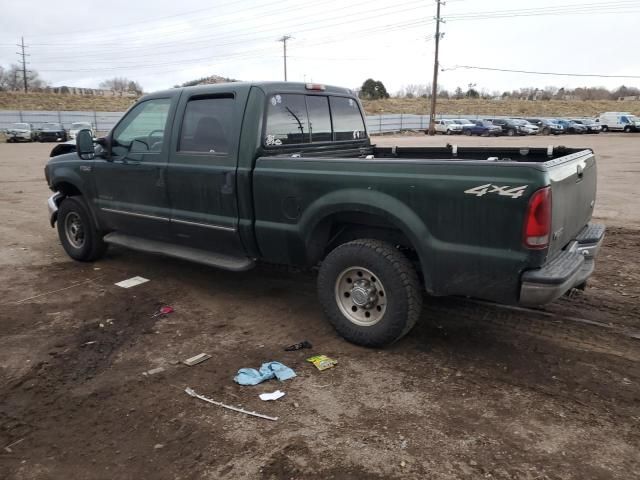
point(347, 119)
point(206, 125)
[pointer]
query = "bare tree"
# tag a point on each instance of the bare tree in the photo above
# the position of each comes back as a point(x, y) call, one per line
point(11, 79)
point(121, 85)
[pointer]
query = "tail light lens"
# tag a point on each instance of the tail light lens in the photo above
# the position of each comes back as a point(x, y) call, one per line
point(537, 228)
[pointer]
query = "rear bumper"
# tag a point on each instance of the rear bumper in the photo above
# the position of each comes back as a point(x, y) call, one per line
point(569, 269)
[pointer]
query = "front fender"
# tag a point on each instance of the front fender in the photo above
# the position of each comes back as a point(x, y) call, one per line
point(66, 181)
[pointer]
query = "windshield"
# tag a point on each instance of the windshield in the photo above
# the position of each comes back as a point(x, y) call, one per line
point(51, 125)
point(80, 125)
point(21, 126)
point(521, 122)
point(463, 121)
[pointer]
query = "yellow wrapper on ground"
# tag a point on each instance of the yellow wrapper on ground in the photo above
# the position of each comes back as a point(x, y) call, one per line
point(322, 362)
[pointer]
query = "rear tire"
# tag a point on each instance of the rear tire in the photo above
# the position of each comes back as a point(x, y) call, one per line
point(605, 128)
point(468, 133)
point(511, 133)
point(370, 292)
point(77, 231)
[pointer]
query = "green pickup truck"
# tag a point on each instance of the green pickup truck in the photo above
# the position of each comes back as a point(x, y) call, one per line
point(231, 174)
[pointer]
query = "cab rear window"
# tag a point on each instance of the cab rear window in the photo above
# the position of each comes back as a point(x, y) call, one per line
point(294, 119)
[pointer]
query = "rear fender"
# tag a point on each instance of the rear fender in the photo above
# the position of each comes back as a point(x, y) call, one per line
point(375, 203)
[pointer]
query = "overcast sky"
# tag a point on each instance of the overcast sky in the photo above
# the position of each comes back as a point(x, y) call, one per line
point(163, 43)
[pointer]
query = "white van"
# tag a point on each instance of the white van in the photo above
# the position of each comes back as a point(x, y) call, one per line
point(620, 121)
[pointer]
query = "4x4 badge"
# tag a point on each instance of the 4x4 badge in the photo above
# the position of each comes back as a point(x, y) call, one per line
point(505, 190)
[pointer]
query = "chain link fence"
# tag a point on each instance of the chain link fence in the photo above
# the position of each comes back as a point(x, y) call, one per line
point(103, 122)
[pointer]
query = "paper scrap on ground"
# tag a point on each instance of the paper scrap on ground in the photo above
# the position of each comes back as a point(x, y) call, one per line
point(322, 362)
point(153, 371)
point(197, 359)
point(132, 282)
point(269, 370)
point(271, 396)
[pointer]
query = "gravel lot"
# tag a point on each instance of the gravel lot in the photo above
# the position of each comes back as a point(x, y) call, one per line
point(475, 391)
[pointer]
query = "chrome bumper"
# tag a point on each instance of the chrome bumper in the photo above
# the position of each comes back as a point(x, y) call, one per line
point(52, 205)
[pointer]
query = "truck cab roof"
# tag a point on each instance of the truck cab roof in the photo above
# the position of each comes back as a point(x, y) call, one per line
point(266, 87)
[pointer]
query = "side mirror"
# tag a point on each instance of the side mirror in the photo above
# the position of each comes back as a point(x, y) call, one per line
point(84, 145)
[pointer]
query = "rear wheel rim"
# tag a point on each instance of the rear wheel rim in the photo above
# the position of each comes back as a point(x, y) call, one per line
point(74, 230)
point(361, 296)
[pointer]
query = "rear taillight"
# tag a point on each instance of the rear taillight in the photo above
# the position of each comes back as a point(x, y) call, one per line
point(537, 227)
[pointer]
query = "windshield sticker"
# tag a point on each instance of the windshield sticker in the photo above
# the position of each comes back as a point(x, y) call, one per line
point(351, 102)
point(276, 99)
point(356, 134)
point(271, 140)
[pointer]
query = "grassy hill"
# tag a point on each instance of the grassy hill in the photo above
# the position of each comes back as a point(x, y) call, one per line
point(560, 108)
point(49, 101)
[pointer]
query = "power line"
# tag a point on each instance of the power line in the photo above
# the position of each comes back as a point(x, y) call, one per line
point(315, 24)
point(573, 9)
point(472, 67)
point(246, 54)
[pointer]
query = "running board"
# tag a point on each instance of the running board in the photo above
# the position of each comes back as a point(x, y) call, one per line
point(226, 262)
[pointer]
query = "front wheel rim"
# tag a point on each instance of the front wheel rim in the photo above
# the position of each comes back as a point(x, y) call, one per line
point(74, 230)
point(361, 296)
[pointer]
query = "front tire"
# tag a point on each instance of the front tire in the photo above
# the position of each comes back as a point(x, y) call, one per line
point(370, 292)
point(77, 231)
point(627, 129)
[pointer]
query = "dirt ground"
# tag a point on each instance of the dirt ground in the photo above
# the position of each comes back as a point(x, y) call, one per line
point(474, 391)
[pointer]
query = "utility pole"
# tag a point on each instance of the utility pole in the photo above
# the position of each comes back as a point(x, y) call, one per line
point(284, 44)
point(24, 63)
point(436, 65)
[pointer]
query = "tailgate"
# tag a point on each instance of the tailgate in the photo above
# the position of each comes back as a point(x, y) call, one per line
point(573, 192)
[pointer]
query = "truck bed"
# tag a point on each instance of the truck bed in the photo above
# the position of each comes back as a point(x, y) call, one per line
point(463, 208)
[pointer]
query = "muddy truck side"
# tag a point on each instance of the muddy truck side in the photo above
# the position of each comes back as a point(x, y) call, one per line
point(233, 174)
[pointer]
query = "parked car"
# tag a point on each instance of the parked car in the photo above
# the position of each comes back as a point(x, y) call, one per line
point(51, 132)
point(547, 126)
point(509, 127)
point(77, 126)
point(619, 121)
point(243, 179)
point(482, 128)
point(571, 127)
point(20, 132)
point(592, 125)
point(464, 122)
point(525, 127)
point(448, 127)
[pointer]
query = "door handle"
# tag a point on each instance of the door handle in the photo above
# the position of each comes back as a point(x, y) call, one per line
point(227, 186)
